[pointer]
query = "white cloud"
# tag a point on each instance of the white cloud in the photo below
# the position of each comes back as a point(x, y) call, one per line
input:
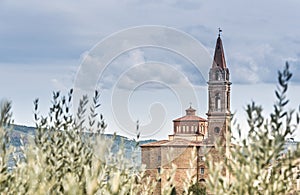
point(149, 73)
point(148, 66)
point(34, 31)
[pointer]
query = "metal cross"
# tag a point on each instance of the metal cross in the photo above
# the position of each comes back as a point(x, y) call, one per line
point(220, 30)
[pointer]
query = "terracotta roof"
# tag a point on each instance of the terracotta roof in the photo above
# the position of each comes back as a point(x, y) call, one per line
point(219, 57)
point(176, 142)
point(190, 118)
point(156, 143)
point(183, 142)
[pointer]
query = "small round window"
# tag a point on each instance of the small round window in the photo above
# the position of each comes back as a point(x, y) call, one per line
point(217, 130)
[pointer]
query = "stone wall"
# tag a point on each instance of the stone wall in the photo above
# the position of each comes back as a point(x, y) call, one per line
point(186, 159)
point(151, 157)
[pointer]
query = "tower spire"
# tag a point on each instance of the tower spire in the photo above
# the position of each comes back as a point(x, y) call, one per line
point(219, 57)
point(219, 114)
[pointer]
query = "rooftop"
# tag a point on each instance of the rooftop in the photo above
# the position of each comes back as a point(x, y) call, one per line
point(190, 116)
point(176, 142)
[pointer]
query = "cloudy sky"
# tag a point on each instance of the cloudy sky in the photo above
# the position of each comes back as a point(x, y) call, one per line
point(44, 45)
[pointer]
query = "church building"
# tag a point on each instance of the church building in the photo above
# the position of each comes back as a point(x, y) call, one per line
point(193, 139)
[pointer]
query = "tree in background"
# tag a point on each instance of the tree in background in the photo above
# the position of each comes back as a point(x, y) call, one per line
point(197, 188)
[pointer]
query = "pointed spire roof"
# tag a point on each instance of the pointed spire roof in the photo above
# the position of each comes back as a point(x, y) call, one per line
point(219, 57)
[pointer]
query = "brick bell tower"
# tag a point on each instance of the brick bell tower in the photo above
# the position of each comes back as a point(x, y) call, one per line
point(218, 114)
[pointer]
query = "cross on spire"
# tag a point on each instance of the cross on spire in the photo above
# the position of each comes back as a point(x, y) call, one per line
point(220, 30)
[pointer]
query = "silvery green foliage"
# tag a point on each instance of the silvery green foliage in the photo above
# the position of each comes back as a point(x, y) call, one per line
point(257, 164)
point(5, 151)
point(69, 155)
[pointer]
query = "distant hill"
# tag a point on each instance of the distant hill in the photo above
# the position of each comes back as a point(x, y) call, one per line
point(129, 145)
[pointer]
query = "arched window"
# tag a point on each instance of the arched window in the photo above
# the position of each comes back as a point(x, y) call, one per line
point(228, 101)
point(217, 75)
point(227, 75)
point(217, 130)
point(217, 102)
point(202, 180)
point(202, 170)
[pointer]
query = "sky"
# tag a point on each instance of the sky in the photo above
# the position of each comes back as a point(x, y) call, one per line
point(46, 45)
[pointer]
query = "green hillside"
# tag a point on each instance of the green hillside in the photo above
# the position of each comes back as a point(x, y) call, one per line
point(24, 132)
